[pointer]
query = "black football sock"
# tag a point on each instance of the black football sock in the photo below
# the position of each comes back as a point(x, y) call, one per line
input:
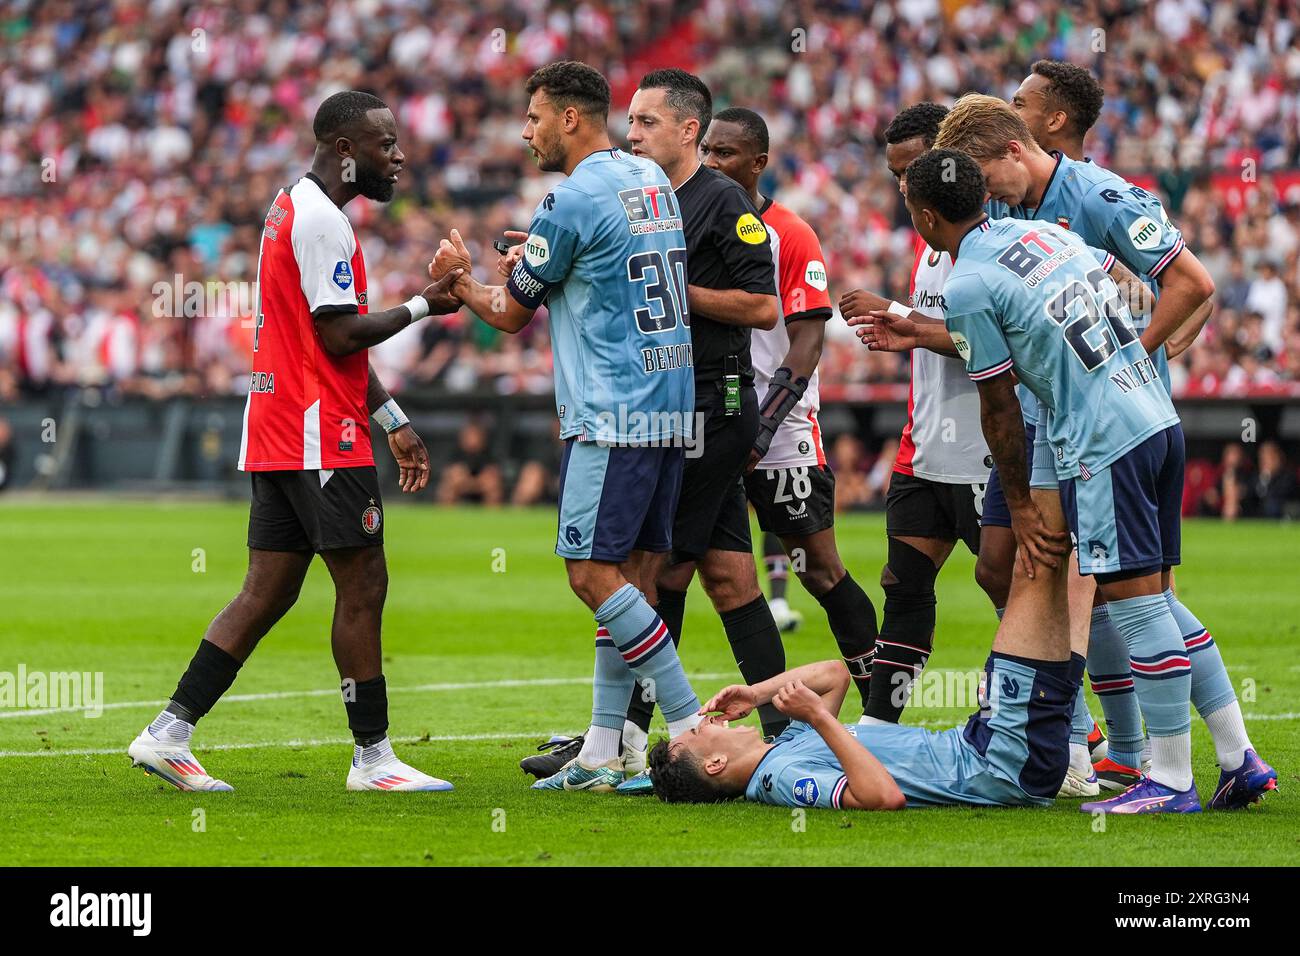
point(756, 645)
point(210, 674)
point(671, 610)
point(777, 565)
point(367, 710)
point(852, 618)
point(907, 632)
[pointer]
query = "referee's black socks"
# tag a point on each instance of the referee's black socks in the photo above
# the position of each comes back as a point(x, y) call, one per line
point(852, 618)
point(907, 631)
point(756, 645)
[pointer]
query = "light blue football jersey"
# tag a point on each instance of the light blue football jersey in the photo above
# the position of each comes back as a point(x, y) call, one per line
point(606, 253)
point(1032, 296)
point(1108, 212)
point(931, 768)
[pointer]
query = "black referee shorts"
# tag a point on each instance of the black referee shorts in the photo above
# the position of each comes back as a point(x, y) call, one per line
point(712, 510)
point(316, 510)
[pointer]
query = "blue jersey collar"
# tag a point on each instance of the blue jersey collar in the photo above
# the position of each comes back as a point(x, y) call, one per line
point(981, 226)
point(1051, 180)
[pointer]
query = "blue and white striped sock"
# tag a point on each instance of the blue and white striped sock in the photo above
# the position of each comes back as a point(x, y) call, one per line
point(1112, 682)
point(1162, 680)
point(611, 688)
point(647, 650)
point(1211, 686)
point(1213, 695)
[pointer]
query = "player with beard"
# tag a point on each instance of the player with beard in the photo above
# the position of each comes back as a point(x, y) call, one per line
point(788, 481)
point(606, 253)
point(306, 443)
point(731, 290)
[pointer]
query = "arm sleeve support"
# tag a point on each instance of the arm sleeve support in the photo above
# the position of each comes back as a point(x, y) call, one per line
point(783, 394)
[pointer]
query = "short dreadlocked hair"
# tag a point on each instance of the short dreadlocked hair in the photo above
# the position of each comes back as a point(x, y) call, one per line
point(1074, 91)
point(681, 778)
point(340, 113)
point(921, 119)
point(947, 181)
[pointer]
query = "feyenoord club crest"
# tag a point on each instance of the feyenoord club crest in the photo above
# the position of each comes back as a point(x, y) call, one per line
point(932, 259)
point(371, 518)
point(1063, 222)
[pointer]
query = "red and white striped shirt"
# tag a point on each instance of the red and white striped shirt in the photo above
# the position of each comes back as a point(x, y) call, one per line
point(943, 440)
point(306, 409)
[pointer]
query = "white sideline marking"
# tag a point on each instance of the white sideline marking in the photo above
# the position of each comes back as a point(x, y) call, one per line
point(333, 692)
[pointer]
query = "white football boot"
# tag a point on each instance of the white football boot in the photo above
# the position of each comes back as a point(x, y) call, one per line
point(1076, 784)
point(377, 768)
point(171, 760)
point(787, 618)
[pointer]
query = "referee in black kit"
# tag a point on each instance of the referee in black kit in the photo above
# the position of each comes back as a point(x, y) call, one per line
point(732, 282)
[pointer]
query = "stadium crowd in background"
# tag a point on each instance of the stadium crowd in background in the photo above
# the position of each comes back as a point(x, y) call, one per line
point(140, 145)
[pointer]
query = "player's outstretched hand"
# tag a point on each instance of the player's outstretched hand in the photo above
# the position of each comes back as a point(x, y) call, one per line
point(411, 456)
point(506, 264)
point(882, 331)
point(439, 295)
point(731, 703)
point(452, 254)
point(860, 302)
point(797, 702)
point(1035, 542)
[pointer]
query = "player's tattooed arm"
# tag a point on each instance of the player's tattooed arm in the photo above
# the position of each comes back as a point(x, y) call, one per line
point(344, 332)
point(755, 310)
point(1185, 286)
point(1003, 424)
point(1135, 292)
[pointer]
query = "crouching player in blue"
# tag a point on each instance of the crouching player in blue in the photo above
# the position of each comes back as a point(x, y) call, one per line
point(1012, 753)
point(1031, 298)
point(606, 253)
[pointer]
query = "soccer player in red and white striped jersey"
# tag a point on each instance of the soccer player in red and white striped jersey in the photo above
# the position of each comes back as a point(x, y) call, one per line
point(306, 445)
point(936, 493)
point(788, 480)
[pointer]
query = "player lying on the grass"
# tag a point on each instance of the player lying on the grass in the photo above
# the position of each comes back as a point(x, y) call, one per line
point(1012, 752)
point(1029, 298)
point(307, 445)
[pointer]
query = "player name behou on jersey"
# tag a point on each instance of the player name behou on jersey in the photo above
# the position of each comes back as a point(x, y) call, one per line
point(306, 408)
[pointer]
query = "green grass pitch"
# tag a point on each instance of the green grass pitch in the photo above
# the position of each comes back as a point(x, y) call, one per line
point(483, 663)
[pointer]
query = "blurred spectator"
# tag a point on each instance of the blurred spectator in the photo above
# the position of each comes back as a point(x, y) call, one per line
point(6, 453)
point(471, 475)
point(1274, 484)
point(848, 460)
point(100, 249)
